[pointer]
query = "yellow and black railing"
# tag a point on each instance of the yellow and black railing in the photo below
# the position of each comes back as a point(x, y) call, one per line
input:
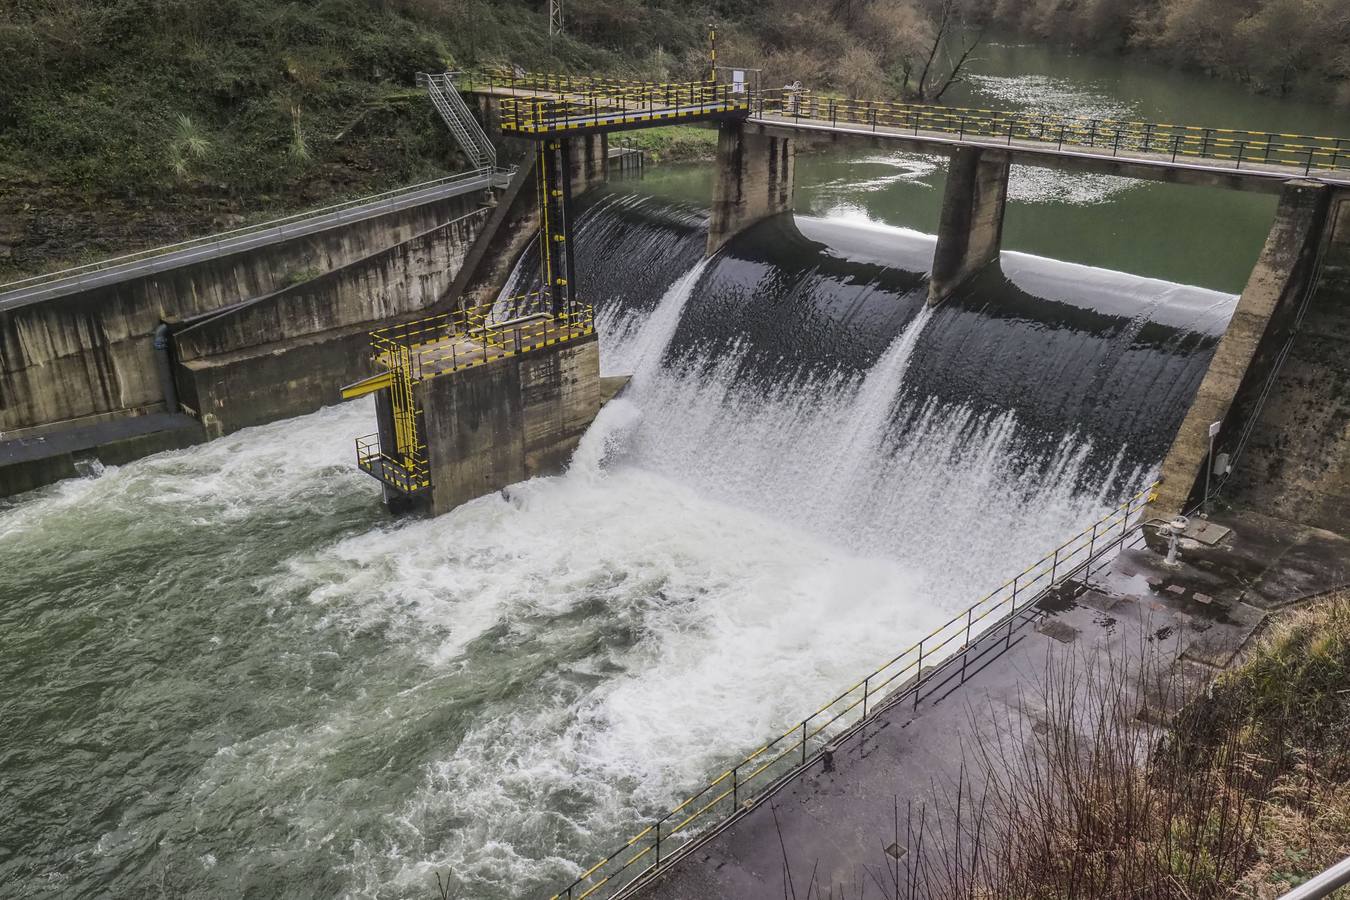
point(538, 104)
point(1233, 147)
point(413, 352)
point(620, 108)
point(941, 661)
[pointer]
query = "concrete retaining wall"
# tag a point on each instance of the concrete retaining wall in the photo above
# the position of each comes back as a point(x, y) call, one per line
point(88, 355)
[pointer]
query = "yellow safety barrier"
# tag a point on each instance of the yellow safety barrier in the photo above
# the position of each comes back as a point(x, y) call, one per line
point(940, 659)
point(543, 104)
point(413, 352)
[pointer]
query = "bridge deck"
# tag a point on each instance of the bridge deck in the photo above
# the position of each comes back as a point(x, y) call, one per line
point(1109, 160)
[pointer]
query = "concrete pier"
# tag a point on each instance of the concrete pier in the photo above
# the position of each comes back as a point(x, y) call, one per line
point(514, 418)
point(971, 228)
point(754, 181)
point(1249, 358)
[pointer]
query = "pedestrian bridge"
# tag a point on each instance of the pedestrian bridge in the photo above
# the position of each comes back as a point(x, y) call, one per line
point(534, 104)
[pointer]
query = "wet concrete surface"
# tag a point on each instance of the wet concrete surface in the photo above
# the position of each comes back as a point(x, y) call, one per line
point(836, 826)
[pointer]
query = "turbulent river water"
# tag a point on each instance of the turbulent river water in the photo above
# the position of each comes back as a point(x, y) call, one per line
point(228, 672)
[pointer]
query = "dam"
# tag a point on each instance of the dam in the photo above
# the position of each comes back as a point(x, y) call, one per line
point(809, 454)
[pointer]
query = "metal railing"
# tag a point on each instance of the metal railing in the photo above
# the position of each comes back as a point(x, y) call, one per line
point(408, 474)
point(214, 245)
point(542, 103)
point(1323, 885)
point(1306, 153)
point(457, 117)
point(944, 657)
point(452, 342)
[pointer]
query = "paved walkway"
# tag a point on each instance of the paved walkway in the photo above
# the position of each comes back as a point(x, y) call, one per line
point(840, 823)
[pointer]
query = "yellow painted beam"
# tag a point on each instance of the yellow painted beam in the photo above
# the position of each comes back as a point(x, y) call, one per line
point(367, 386)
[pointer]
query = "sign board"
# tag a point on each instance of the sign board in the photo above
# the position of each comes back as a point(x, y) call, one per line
point(738, 81)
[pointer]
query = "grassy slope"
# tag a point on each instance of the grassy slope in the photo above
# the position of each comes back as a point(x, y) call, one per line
point(129, 123)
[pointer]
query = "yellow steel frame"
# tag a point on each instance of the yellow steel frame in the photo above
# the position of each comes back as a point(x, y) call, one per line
point(758, 773)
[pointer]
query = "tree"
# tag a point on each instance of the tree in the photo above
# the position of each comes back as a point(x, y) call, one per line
point(954, 36)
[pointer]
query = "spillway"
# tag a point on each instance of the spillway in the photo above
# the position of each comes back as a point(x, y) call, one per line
point(229, 672)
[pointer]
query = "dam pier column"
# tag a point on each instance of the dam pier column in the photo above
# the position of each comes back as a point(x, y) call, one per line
point(754, 181)
point(971, 228)
point(1276, 382)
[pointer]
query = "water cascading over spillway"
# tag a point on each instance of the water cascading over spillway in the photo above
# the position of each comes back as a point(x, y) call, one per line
point(290, 694)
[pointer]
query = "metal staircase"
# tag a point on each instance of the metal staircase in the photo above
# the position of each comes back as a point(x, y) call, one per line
point(465, 128)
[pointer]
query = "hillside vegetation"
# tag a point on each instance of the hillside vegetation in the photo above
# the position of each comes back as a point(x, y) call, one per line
point(126, 123)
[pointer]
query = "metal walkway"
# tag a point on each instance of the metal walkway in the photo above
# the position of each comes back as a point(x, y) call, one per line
point(133, 265)
point(541, 105)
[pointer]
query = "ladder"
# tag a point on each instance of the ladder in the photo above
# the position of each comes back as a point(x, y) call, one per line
point(455, 113)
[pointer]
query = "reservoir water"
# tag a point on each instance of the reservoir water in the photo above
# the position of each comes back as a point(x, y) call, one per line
point(227, 672)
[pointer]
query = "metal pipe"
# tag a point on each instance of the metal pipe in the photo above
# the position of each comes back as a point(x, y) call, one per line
point(1337, 876)
point(164, 365)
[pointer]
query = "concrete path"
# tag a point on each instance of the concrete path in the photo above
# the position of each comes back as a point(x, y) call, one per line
point(841, 823)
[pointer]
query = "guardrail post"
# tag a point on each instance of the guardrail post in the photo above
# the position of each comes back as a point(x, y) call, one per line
point(1054, 567)
point(961, 128)
point(918, 677)
point(1061, 138)
point(1176, 146)
point(735, 787)
point(865, 690)
point(1012, 613)
point(1204, 142)
point(803, 742)
point(658, 841)
point(1115, 149)
point(965, 651)
point(1242, 146)
point(1308, 168)
point(1092, 134)
point(1092, 542)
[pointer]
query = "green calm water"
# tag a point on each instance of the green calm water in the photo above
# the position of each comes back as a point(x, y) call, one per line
point(1203, 236)
point(224, 672)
